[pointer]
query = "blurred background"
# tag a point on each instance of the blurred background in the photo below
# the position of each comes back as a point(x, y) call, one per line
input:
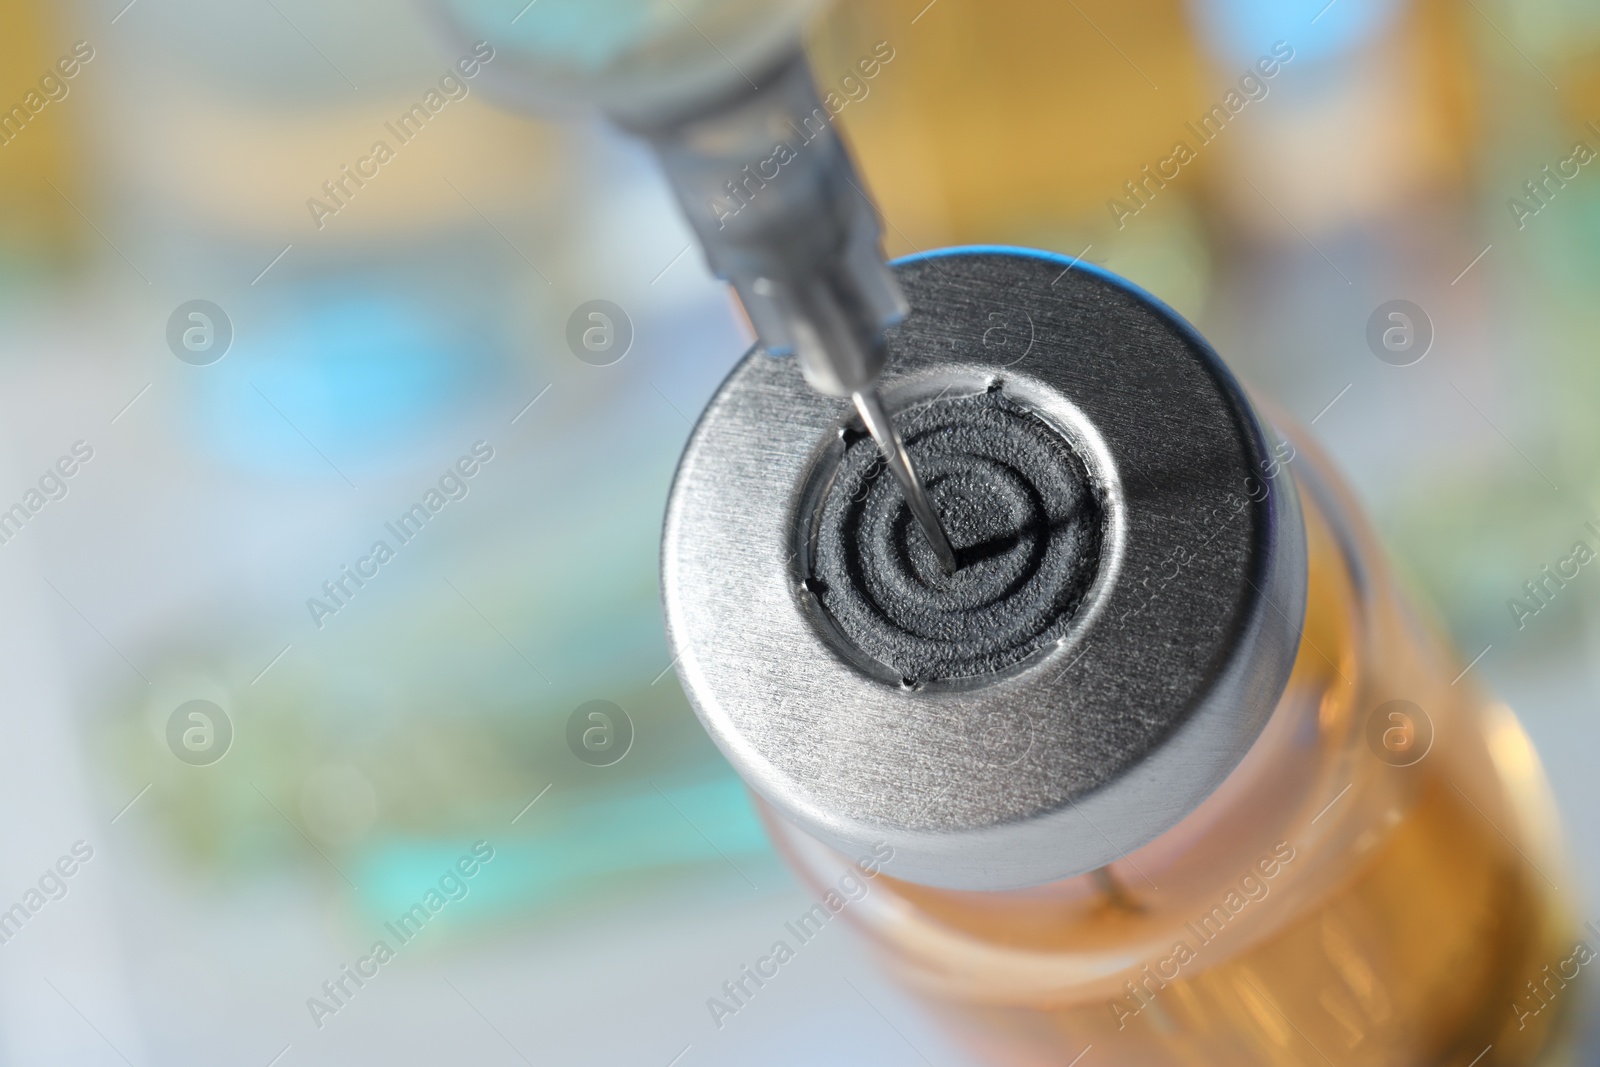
point(346, 359)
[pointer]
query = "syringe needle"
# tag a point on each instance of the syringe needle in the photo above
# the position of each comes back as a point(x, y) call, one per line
point(870, 407)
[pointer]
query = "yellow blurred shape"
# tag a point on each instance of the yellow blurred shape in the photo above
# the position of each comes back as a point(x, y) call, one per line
point(994, 118)
point(35, 221)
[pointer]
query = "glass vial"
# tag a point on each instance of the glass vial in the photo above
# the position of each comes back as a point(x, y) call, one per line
point(1291, 830)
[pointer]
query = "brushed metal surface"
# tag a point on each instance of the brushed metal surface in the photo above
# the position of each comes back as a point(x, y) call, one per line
point(1092, 746)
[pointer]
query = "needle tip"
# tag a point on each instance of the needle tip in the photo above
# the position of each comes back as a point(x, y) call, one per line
point(870, 406)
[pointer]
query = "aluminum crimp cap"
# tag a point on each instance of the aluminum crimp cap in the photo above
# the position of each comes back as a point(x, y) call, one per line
point(1124, 620)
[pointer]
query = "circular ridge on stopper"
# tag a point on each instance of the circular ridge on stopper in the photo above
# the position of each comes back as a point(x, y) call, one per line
point(1021, 511)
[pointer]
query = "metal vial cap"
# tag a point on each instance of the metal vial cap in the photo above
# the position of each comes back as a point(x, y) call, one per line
point(1125, 620)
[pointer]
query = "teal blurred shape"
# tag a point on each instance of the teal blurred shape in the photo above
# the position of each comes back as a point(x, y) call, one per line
point(1238, 31)
point(358, 366)
point(561, 851)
